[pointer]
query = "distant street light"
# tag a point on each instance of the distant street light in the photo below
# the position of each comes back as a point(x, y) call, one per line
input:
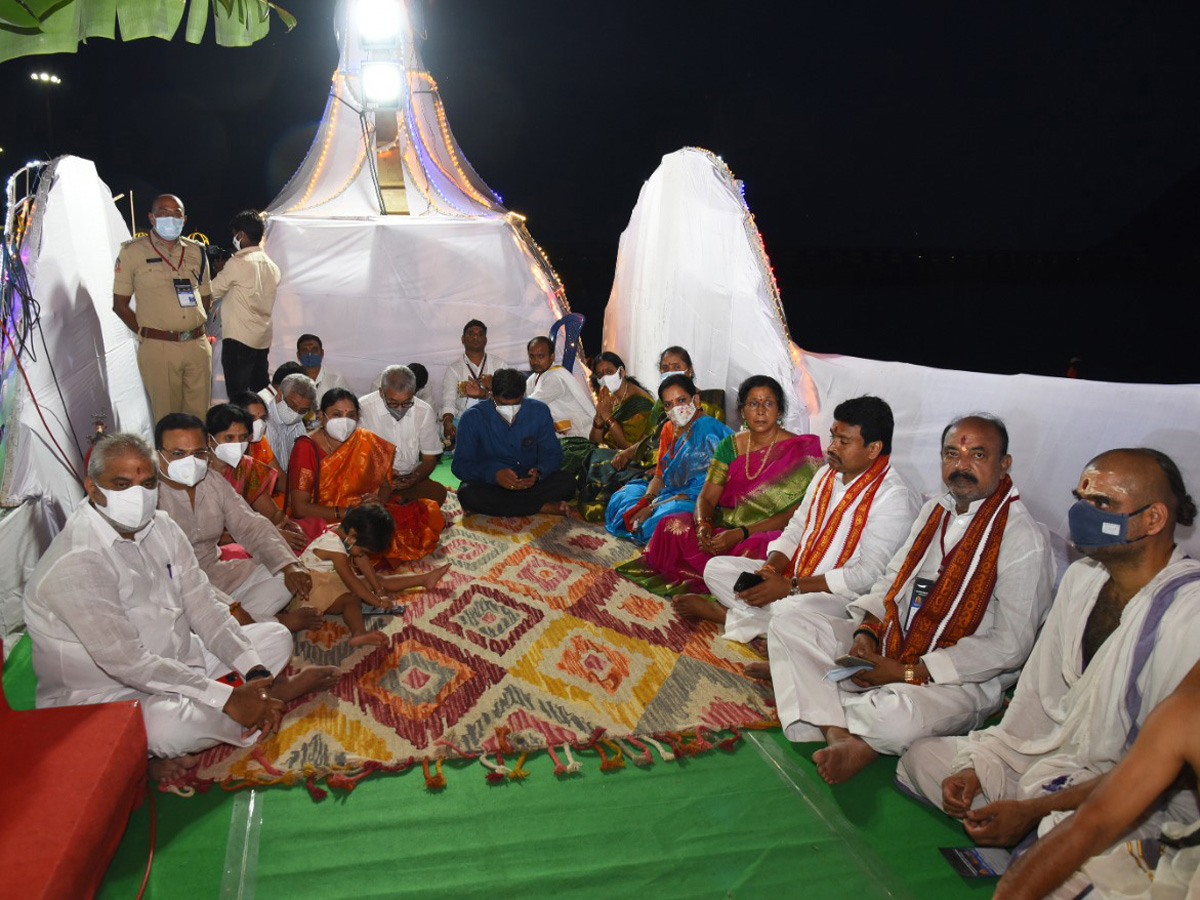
point(47, 78)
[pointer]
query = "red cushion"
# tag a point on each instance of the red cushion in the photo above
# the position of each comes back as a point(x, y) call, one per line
point(69, 778)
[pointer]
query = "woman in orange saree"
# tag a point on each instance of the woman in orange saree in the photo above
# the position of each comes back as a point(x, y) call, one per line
point(341, 465)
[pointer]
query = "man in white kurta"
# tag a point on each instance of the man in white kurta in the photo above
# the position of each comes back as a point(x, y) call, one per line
point(1122, 634)
point(119, 609)
point(847, 556)
point(395, 413)
point(468, 379)
point(950, 688)
point(571, 405)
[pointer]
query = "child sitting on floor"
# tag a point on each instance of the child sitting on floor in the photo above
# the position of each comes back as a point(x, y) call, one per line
point(344, 579)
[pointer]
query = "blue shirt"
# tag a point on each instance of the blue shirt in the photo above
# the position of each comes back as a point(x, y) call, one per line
point(486, 443)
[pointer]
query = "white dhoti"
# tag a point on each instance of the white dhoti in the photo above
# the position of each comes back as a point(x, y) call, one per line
point(262, 594)
point(803, 647)
point(744, 622)
point(176, 725)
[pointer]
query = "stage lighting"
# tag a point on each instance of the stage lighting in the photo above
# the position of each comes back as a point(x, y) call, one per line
point(380, 23)
point(382, 84)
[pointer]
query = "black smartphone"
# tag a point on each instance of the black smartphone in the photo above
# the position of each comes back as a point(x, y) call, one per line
point(847, 661)
point(747, 580)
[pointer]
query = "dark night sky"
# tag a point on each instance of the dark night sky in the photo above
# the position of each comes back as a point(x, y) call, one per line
point(853, 125)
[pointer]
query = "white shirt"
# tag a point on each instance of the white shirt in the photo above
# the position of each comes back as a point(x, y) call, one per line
point(1020, 599)
point(417, 434)
point(888, 521)
point(454, 401)
point(107, 616)
point(328, 379)
point(247, 285)
point(570, 403)
point(282, 437)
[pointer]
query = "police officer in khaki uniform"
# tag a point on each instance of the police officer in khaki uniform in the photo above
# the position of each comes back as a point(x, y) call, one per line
point(169, 276)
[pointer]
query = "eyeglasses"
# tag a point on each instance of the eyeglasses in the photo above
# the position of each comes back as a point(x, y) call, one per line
point(407, 404)
point(202, 453)
point(767, 405)
point(304, 412)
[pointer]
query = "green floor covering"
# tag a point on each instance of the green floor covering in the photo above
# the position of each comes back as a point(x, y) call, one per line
point(754, 823)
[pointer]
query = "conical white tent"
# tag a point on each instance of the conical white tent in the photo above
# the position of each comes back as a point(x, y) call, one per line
point(380, 287)
point(692, 271)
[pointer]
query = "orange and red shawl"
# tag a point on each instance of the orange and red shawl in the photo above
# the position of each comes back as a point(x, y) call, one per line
point(955, 606)
point(809, 554)
point(362, 465)
point(251, 478)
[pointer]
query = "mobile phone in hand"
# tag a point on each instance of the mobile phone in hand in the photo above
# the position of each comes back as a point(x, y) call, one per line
point(847, 661)
point(747, 580)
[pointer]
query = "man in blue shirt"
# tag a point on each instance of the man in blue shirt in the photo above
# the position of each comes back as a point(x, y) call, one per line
point(508, 457)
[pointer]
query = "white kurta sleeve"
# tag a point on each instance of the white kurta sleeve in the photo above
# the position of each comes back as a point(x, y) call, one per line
point(429, 434)
point(251, 529)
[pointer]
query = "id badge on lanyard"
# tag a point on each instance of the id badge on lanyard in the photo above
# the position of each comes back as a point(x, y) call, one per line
point(185, 291)
point(922, 588)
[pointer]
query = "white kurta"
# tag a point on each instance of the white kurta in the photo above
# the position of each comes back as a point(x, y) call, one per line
point(454, 401)
point(116, 619)
point(327, 379)
point(887, 525)
point(417, 434)
point(570, 404)
point(968, 680)
point(1066, 725)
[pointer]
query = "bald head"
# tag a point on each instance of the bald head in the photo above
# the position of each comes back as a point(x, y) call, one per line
point(167, 205)
point(1142, 476)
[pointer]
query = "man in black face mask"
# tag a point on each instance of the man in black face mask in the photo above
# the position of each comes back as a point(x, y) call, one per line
point(397, 415)
point(1122, 634)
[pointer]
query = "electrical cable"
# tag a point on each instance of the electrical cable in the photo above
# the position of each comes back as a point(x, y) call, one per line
point(153, 828)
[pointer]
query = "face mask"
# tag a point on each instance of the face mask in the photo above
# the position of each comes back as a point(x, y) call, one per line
point(508, 412)
point(1092, 527)
point(340, 429)
point(398, 413)
point(130, 509)
point(231, 454)
point(285, 414)
point(188, 471)
point(310, 360)
point(237, 243)
point(258, 430)
point(169, 228)
point(612, 382)
point(663, 376)
point(681, 415)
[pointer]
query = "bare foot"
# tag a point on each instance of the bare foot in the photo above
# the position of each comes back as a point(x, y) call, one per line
point(562, 508)
point(303, 618)
point(378, 638)
point(310, 678)
point(430, 579)
point(169, 768)
point(761, 671)
point(697, 606)
point(759, 646)
point(845, 757)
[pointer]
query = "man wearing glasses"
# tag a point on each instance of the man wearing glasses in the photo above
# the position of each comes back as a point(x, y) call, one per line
point(285, 415)
point(397, 415)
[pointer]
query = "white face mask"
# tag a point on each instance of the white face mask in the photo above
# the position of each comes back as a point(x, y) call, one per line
point(508, 412)
point(613, 381)
point(681, 415)
point(189, 471)
point(130, 509)
point(285, 414)
point(169, 228)
point(231, 454)
point(258, 430)
point(340, 429)
point(237, 243)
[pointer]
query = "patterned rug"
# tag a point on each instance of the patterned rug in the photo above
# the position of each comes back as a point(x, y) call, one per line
point(530, 642)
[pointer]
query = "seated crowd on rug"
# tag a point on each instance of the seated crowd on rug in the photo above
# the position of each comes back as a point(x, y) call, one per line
point(886, 626)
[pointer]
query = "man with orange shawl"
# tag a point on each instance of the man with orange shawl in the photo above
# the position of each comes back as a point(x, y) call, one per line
point(341, 465)
point(944, 631)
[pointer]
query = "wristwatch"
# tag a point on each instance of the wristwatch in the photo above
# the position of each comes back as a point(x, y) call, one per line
point(258, 672)
point(795, 585)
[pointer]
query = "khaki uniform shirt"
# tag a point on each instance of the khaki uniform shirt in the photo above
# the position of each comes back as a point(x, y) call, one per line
point(247, 285)
point(147, 269)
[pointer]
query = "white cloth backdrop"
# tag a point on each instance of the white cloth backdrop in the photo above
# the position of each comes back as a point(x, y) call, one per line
point(1055, 425)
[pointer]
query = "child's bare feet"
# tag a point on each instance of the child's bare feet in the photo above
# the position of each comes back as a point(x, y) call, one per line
point(367, 638)
point(432, 577)
point(310, 678)
point(302, 618)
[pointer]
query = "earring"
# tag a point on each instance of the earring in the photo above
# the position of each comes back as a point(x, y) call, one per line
point(779, 421)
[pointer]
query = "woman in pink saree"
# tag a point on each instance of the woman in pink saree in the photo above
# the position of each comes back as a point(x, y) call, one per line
point(756, 480)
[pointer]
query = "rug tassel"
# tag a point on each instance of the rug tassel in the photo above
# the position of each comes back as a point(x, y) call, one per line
point(702, 745)
point(318, 793)
point(433, 782)
point(446, 742)
point(760, 725)
point(597, 733)
point(517, 771)
point(667, 755)
point(496, 770)
point(261, 759)
point(732, 741)
point(639, 759)
point(674, 741)
point(617, 761)
point(573, 765)
point(502, 734)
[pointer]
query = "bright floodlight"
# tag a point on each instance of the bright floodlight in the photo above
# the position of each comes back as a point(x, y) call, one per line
point(380, 22)
point(381, 83)
point(46, 77)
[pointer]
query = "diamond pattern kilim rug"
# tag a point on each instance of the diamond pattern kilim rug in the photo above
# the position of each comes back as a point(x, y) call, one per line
point(530, 642)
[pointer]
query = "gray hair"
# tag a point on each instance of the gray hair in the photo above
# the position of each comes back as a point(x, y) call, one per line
point(299, 384)
point(123, 443)
point(398, 378)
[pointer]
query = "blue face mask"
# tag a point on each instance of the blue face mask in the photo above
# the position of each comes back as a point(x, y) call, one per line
point(169, 228)
point(1093, 527)
point(310, 360)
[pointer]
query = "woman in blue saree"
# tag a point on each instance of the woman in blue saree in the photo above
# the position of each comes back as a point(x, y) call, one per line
point(686, 447)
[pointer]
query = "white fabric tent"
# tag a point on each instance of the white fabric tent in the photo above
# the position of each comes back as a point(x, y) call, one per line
point(85, 368)
point(692, 271)
point(383, 289)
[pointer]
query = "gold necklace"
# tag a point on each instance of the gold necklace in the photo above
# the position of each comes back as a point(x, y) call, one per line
point(766, 456)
